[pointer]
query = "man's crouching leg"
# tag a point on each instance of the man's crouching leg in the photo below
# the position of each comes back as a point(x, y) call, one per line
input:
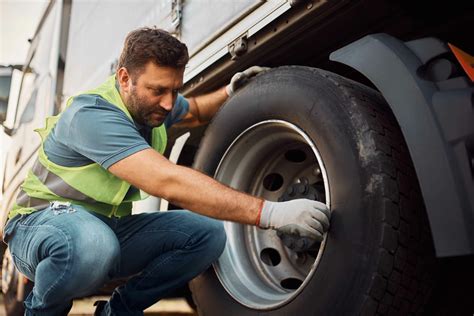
point(68, 254)
point(164, 250)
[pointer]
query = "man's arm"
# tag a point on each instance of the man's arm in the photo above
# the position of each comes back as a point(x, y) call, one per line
point(202, 108)
point(188, 188)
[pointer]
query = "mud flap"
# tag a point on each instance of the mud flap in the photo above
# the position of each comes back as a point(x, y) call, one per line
point(432, 101)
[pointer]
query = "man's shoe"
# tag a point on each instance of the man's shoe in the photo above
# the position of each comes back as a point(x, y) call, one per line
point(100, 305)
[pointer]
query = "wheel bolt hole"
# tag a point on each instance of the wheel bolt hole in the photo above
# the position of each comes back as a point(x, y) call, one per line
point(291, 283)
point(270, 256)
point(273, 182)
point(295, 155)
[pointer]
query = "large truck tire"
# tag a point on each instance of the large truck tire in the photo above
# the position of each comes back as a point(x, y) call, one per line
point(15, 287)
point(299, 132)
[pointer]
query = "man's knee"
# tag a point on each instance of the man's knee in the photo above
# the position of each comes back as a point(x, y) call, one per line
point(214, 236)
point(91, 258)
point(95, 255)
point(78, 261)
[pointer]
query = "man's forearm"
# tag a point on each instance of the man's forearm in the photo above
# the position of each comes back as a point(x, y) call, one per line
point(151, 172)
point(207, 105)
point(195, 191)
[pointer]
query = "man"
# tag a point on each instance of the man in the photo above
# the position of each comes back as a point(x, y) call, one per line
point(72, 229)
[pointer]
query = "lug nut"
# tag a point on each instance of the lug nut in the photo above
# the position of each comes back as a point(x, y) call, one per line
point(291, 190)
point(301, 258)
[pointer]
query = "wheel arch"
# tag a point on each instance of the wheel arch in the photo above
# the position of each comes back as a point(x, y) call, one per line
point(434, 109)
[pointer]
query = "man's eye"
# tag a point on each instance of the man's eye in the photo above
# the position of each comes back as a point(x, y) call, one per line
point(157, 91)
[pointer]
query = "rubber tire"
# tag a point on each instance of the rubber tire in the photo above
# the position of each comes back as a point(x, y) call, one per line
point(379, 254)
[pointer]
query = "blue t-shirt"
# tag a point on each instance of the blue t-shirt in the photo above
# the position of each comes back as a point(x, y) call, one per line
point(93, 130)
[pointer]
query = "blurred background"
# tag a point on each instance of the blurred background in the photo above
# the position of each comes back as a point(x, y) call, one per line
point(18, 22)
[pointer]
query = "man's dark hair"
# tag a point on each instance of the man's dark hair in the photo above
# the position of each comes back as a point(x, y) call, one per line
point(151, 44)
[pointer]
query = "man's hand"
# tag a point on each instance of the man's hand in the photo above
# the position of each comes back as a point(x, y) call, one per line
point(240, 79)
point(301, 217)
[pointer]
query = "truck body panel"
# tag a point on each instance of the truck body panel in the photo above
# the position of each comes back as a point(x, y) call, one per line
point(37, 93)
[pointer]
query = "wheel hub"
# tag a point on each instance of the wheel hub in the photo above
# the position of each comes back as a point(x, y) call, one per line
point(302, 190)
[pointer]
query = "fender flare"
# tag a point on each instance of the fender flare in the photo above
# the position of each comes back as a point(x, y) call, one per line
point(434, 108)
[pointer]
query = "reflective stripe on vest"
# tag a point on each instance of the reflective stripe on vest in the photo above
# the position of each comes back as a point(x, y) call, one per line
point(57, 185)
point(91, 185)
point(25, 200)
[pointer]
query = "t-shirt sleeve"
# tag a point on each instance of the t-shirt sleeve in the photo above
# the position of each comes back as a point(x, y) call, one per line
point(179, 111)
point(101, 132)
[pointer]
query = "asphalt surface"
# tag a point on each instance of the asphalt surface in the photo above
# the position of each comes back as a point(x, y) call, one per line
point(167, 307)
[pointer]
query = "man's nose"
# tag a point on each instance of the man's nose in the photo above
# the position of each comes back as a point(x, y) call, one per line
point(167, 102)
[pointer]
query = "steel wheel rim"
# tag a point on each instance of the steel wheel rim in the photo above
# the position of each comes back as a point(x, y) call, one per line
point(255, 267)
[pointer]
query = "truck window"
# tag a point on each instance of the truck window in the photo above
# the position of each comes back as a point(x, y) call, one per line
point(29, 112)
point(5, 82)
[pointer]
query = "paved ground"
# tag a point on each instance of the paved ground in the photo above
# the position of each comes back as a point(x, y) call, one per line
point(168, 307)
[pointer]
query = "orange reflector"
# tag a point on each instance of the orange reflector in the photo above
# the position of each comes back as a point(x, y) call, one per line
point(466, 60)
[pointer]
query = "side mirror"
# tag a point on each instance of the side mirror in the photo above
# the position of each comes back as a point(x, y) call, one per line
point(5, 84)
point(10, 83)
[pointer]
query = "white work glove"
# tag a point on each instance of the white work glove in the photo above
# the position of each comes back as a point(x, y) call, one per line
point(300, 217)
point(240, 79)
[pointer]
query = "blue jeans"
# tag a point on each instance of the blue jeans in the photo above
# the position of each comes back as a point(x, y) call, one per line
point(71, 253)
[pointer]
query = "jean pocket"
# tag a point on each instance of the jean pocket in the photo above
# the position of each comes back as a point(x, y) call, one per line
point(9, 228)
point(23, 267)
point(24, 219)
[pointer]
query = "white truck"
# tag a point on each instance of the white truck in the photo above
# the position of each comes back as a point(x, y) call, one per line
point(366, 109)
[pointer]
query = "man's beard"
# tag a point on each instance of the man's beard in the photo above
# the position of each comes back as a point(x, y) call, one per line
point(143, 113)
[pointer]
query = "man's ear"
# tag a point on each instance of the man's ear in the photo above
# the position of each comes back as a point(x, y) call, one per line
point(124, 79)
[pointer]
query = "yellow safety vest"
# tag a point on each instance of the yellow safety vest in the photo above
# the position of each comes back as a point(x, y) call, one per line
point(91, 186)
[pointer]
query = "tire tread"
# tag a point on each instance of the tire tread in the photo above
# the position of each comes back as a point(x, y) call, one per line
point(406, 251)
